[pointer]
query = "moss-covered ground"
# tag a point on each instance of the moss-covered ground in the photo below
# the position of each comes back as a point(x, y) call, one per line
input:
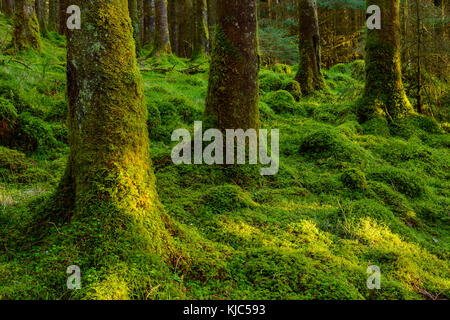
point(347, 196)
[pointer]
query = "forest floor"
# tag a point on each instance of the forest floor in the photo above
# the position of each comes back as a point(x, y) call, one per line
point(347, 195)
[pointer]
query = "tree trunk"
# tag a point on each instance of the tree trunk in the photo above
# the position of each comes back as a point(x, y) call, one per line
point(7, 8)
point(134, 15)
point(384, 93)
point(62, 17)
point(233, 91)
point(41, 13)
point(186, 27)
point(162, 40)
point(109, 172)
point(149, 21)
point(173, 24)
point(26, 32)
point(212, 17)
point(201, 29)
point(53, 15)
point(309, 74)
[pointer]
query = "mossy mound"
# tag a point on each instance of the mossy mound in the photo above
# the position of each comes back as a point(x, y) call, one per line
point(281, 101)
point(226, 199)
point(354, 179)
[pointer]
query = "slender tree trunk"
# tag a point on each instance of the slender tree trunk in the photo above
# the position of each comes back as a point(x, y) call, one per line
point(149, 21)
point(162, 40)
point(26, 32)
point(109, 172)
point(134, 15)
point(201, 30)
point(173, 25)
point(62, 17)
point(419, 59)
point(41, 13)
point(233, 91)
point(212, 17)
point(384, 93)
point(186, 27)
point(7, 7)
point(53, 15)
point(309, 74)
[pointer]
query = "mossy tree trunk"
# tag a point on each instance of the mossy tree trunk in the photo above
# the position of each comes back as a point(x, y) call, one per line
point(134, 15)
point(384, 93)
point(41, 13)
point(201, 29)
point(232, 100)
point(309, 74)
point(109, 175)
point(149, 21)
point(53, 15)
point(26, 32)
point(7, 8)
point(212, 17)
point(162, 40)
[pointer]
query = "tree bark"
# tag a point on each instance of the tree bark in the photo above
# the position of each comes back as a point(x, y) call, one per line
point(149, 21)
point(109, 172)
point(62, 17)
point(53, 15)
point(233, 91)
point(41, 13)
point(162, 40)
point(8, 7)
point(384, 93)
point(212, 17)
point(26, 32)
point(134, 15)
point(309, 74)
point(201, 29)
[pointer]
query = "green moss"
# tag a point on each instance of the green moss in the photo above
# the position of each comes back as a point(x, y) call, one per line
point(354, 179)
point(26, 32)
point(270, 81)
point(293, 87)
point(226, 198)
point(327, 143)
point(280, 101)
point(281, 68)
point(401, 180)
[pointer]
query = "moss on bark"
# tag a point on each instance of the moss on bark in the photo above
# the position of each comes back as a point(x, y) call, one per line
point(232, 100)
point(26, 33)
point(309, 74)
point(109, 184)
point(201, 29)
point(384, 94)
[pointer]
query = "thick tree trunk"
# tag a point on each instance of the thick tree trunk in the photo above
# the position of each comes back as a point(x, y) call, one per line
point(41, 13)
point(109, 172)
point(201, 29)
point(149, 21)
point(232, 101)
point(384, 93)
point(162, 40)
point(309, 74)
point(26, 32)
